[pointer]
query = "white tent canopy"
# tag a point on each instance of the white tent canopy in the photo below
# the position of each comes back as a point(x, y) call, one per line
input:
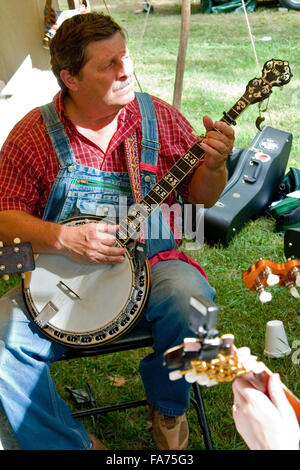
point(25, 76)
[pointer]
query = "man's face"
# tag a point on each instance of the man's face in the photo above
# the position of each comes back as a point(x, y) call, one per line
point(106, 80)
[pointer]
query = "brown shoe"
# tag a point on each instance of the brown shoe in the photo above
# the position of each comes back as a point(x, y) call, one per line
point(169, 432)
point(96, 444)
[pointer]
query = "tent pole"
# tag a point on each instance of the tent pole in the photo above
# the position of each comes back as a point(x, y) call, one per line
point(184, 34)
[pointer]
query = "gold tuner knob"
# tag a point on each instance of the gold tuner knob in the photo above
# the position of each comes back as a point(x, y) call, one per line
point(17, 241)
point(5, 277)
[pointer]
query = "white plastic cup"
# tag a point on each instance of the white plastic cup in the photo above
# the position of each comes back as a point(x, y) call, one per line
point(276, 343)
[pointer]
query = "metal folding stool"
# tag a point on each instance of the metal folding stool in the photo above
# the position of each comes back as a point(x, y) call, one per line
point(136, 340)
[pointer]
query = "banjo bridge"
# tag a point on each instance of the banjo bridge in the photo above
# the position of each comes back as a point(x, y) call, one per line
point(68, 290)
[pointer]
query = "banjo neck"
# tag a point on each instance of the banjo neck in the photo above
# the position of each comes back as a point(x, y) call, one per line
point(140, 212)
point(275, 73)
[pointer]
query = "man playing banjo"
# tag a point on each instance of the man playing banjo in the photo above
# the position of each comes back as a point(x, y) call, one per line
point(42, 185)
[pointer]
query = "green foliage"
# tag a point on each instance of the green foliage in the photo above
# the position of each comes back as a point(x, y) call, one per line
point(219, 64)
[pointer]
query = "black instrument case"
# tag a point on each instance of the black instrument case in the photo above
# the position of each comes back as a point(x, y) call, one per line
point(254, 177)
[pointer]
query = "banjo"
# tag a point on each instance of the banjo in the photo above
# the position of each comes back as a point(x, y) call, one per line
point(85, 306)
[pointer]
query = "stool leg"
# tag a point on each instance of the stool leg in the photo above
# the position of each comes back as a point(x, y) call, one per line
point(108, 409)
point(199, 405)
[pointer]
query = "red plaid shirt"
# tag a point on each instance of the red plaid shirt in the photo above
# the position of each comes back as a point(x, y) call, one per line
point(29, 166)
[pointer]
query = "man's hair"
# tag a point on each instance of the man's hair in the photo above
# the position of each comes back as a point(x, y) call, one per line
point(68, 46)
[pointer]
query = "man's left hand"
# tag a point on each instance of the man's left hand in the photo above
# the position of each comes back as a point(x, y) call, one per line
point(218, 143)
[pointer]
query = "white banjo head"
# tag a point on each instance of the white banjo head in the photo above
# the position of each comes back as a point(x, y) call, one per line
point(85, 305)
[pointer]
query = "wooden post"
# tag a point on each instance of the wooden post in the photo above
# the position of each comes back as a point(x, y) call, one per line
point(184, 35)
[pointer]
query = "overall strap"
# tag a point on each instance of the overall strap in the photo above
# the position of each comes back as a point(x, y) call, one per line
point(142, 173)
point(150, 143)
point(58, 135)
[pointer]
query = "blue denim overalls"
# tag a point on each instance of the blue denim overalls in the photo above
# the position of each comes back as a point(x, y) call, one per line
point(39, 418)
point(80, 190)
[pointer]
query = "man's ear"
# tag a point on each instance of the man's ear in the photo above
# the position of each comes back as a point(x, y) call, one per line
point(69, 80)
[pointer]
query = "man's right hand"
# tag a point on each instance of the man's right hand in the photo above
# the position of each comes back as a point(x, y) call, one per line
point(91, 243)
point(86, 243)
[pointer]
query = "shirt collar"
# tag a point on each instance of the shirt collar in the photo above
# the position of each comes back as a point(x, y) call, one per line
point(58, 102)
point(129, 120)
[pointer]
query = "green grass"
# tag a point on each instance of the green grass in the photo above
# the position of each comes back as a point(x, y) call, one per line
point(219, 64)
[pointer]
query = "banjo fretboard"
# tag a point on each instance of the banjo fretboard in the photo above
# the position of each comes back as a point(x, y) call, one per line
point(140, 212)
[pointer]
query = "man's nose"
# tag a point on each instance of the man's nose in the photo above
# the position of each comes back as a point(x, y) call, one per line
point(125, 68)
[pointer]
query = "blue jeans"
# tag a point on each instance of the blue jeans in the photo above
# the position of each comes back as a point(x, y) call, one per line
point(166, 316)
point(39, 418)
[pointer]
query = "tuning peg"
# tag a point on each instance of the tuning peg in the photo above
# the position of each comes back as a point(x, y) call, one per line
point(191, 376)
point(191, 344)
point(1, 244)
point(243, 351)
point(264, 296)
point(228, 341)
point(295, 273)
point(247, 360)
point(271, 279)
point(17, 241)
point(5, 277)
point(175, 375)
point(202, 379)
point(293, 290)
point(211, 382)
